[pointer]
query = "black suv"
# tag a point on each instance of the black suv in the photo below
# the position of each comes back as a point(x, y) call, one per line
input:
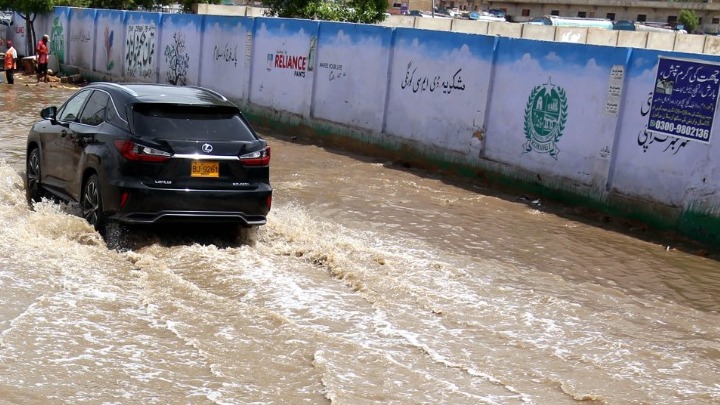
point(149, 153)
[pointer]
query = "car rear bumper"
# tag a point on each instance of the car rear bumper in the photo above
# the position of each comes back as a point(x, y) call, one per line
point(145, 205)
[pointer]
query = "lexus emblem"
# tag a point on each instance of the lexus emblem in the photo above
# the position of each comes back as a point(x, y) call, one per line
point(207, 148)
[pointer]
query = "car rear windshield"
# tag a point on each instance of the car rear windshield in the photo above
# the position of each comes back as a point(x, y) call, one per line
point(183, 122)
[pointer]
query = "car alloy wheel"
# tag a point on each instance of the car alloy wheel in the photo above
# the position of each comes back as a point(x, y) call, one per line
point(32, 176)
point(91, 202)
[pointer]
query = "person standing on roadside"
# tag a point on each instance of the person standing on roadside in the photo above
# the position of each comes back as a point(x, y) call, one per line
point(41, 51)
point(10, 62)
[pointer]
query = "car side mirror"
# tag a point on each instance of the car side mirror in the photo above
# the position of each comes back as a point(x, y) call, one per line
point(49, 113)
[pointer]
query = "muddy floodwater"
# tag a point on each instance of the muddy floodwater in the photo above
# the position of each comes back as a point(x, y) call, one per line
point(371, 283)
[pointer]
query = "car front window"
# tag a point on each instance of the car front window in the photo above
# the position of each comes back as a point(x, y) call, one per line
point(183, 122)
point(71, 110)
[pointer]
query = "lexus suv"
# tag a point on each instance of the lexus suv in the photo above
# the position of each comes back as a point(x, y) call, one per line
point(150, 153)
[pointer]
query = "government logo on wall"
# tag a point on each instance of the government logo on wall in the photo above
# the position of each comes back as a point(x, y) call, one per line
point(545, 117)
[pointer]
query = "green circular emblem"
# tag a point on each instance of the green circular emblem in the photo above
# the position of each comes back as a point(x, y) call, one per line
point(545, 117)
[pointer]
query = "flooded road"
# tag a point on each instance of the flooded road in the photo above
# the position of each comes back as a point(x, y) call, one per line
point(371, 283)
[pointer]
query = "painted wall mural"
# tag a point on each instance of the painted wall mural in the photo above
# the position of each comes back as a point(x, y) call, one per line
point(598, 119)
point(82, 38)
point(439, 82)
point(225, 54)
point(141, 46)
point(110, 41)
point(546, 114)
point(58, 33)
point(179, 64)
point(560, 119)
point(348, 88)
point(140, 51)
point(178, 60)
point(281, 73)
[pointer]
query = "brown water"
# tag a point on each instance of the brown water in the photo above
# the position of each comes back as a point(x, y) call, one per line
point(371, 283)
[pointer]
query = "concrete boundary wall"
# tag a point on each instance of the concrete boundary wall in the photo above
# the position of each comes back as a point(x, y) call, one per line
point(570, 118)
point(633, 39)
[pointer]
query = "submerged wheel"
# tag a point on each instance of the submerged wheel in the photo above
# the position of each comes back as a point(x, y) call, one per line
point(33, 190)
point(91, 203)
point(247, 235)
point(115, 234)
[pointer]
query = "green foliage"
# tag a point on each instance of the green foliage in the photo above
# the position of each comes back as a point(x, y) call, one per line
point(72, 3)
point(689, 19)
point(27, 7)
point(359, 11)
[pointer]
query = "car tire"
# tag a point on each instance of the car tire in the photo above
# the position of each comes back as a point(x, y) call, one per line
point(91, 203)
point(247, 235)
point(33, 188)
point(92, 210)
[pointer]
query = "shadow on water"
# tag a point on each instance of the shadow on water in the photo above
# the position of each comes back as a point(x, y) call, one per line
point(539, 198)
point(221, 235)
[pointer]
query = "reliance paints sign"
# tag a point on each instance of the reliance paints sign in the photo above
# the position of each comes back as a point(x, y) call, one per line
point(684, 99)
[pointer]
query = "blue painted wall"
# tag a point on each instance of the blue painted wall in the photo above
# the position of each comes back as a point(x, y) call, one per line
point(573, 115)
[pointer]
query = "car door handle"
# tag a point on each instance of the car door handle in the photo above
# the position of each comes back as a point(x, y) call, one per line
point(63, 133)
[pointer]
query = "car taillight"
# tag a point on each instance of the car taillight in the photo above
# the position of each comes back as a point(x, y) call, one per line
point(140, 153)
point(257, 158)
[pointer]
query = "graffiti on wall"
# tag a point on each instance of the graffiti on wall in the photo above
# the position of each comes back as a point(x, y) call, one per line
point(81, 36)
point(545, 118)
point(226, 53)
point(140, 50)
point(418, 82)
point(108, 44)
point(335, 70)
point(57, 40)
point(178, 60)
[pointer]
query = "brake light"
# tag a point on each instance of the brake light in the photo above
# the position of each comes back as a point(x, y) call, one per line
point(140, 153)
point(257, 158)
point(268, 201)
point(124, 198)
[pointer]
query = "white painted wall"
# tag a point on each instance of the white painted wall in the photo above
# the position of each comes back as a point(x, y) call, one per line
point(110, 34)
point(226, 55)
point(661, 168)
point(581, 150)
point(180, 49)
point(142, 47)
point(351, 74)
point(82, 38)
point(283, 67)
point(466, 95)
point(438, 88)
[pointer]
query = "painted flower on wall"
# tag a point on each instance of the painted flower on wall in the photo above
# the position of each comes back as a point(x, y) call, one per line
point(178, 60)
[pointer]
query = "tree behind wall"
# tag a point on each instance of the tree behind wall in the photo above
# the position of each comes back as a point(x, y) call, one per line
point(359, 11)
point(689, 19)
point(28, 10)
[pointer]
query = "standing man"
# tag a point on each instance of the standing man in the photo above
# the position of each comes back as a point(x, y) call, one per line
point(10, 62)
point(41, 51)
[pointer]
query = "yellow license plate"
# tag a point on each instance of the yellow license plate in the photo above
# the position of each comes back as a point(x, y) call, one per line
point(204, 168)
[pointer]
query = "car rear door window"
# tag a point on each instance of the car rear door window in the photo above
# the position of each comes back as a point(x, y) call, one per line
point(71, 109)
point(183, 122)
point(95, 109)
